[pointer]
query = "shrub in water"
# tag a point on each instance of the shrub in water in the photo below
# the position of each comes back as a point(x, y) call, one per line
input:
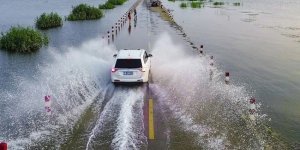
point(21, 39)
point(85, 12)
point(107, 5)
point(117, 2)
point(183, 5)
point(218, 3)
point(46, 21)
point(110, 4)
point(196, 4)
point(237, 4)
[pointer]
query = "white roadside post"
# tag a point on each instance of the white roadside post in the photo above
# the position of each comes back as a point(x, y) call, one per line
point(227, 77)
point(211, 61)
point(211, 65)
point(108, 37)
point(48, 105)
point(252, 109)
point(201, 49)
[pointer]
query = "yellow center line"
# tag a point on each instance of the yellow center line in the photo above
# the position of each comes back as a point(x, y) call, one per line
point(151, 121)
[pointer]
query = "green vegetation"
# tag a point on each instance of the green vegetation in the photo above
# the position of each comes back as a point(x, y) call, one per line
point(21, 39)
point(218, 3)
point(117, 2)
point(183, 5)
point(85, 12)
point(196, 4)
point(46, 21)
point(107, 5)
point(110, 4)
point(237, 4)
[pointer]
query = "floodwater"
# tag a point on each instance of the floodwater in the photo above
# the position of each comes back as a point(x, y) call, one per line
point(197, 110)
point(258, 43)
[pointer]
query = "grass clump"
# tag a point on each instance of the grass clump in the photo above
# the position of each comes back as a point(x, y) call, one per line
point(46, 21)
point(85, 12)
point(218, 3)
point(196, 4)
point(22, 39)
point(183, 5)
point(107, 5)
point(237, 4)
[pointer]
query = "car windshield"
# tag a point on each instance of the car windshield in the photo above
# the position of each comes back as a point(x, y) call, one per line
point(128, 63)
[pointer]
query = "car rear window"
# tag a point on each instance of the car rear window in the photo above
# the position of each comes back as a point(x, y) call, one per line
point(128, 63)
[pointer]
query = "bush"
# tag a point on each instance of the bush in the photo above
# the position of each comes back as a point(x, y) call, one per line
point(117, 2)
point(85, 12)
point(46, 21)
point(237, 4)
point(110, 4)
point(183, 5)
point(107, 5)
point(218, 3)
point(196, 4)
point(21, 39)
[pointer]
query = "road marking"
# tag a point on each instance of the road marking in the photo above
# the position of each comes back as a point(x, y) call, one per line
point(151, 121)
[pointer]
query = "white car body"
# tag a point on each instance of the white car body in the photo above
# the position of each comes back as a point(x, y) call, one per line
point(131, 66)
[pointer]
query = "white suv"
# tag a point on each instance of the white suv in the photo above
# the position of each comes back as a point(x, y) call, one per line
point(131, 66)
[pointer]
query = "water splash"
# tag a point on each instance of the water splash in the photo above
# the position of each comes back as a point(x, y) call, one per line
point(125, 136)
point(73, 79)
point(205, 105)
point(120, 125)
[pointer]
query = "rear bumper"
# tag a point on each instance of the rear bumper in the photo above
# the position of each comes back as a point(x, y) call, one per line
point(115, 80)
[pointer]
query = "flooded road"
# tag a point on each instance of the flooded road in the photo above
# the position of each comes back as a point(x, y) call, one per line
point(192, 110)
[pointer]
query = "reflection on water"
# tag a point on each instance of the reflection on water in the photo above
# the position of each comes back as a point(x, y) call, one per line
point(135, 21)
point(129, 27)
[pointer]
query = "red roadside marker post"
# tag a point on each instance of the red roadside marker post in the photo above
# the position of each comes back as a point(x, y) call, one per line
point(3, 146)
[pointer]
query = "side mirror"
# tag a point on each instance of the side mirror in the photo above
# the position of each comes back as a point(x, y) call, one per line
point(115, 55)
point(149, 55)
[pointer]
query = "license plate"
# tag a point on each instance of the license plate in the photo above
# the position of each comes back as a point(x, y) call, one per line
point(127, 73)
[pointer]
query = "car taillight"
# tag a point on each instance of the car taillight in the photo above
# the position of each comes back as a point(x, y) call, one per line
point(114, 69)
point(142, 70)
